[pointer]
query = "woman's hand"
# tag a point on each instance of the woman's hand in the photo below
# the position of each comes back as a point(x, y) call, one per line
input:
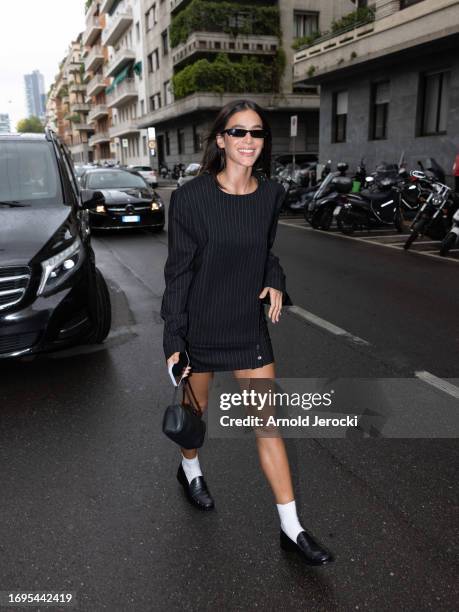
point(174, 358)
point(275, 297)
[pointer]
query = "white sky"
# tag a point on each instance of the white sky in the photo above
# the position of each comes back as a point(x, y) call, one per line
point(35, 35)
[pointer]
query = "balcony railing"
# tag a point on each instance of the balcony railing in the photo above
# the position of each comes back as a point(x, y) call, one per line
point(74, 87)
point(97, 84)
point(83, 127)
point(178, 4)
point(94, 59)
point(92, 31)
point(106, 5)
point(98, 112)
point(121, 59)
point(122, 129)
point(79, 107)
point(123, 93)
point(216, 42)
point(98, 138)
point(117, 26)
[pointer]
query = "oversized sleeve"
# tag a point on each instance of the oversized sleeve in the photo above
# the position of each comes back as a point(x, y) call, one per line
point(178, 274)
point(274, 274)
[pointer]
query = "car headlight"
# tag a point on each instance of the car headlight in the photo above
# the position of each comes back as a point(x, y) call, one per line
point(57, 269)
point(157, 205)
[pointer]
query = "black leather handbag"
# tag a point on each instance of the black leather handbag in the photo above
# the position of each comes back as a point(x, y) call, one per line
point(183, 423)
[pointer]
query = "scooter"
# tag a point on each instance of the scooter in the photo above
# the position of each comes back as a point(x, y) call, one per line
point(371, 208)
point(452, 237)
point(319, 212)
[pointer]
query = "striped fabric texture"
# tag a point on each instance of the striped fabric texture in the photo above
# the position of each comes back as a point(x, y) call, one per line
point(219, 260)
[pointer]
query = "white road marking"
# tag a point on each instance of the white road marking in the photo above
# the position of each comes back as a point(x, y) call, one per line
point(439, 383)
point(330, 327)
point(371, 240)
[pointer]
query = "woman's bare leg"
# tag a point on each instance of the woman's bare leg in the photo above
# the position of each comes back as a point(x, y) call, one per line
point(271, 450)
point(200, 384)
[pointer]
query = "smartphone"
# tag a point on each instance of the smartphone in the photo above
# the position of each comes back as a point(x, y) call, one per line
point(176, 370)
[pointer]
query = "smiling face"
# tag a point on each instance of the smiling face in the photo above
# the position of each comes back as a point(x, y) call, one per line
point(242, 151)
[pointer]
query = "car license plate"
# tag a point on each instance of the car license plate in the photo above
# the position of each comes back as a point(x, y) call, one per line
point(336, 211)
point(130, 218)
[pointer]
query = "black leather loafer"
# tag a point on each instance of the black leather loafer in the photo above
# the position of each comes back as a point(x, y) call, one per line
point(196, 491)
point(309, 548)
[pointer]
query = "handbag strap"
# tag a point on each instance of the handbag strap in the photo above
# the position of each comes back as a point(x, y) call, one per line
point(185, 381)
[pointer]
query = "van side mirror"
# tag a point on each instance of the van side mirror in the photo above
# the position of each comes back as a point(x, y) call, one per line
point(91, 199)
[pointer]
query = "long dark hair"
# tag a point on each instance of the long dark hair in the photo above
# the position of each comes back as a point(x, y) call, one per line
point(213, 160)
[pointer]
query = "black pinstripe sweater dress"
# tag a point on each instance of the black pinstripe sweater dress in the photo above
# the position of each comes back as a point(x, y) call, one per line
point(219, 261)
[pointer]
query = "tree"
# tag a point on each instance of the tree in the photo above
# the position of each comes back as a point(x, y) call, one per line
point(32, 124)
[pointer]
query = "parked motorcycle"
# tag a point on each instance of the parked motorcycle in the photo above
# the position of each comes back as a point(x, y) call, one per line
point(371, 208)
point(434, 218)
point(321, 203)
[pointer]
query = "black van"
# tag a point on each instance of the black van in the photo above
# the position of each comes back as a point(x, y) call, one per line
point(51, 293)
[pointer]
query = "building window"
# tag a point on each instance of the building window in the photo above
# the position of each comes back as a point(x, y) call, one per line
point(167, 93)
point(197, 140)
point(142, 107)
point(434, 103)
point(340, 100)
point(156, 59)
point(305, 24)
point(150, 62)
point(165, 43)
point(152, 103)
point(137, 31)
point(168, 144)
point(144, 144)
point(181, 141)
point(379, 111)
point(405, 3)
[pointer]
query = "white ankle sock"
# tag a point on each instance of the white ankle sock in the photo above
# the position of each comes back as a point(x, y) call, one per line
point(290, 524)
point(191, 468)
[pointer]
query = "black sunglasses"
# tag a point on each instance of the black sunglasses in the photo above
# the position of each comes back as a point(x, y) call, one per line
point(240, 133)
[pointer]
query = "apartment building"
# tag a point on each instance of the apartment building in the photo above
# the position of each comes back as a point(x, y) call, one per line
point(95, 56)
point(126, 94)
point(185, 68)
point(5, 125)
point(389, 84)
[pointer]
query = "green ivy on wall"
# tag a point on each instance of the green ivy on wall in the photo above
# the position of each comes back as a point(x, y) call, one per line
point(223, 75)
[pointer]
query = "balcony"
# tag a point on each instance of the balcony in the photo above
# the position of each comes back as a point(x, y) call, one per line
point(176, 5)
point(207, 101)
point(125, 92)
point(95, 59)
point(83, 127)
point(106, 5)
point(92, 31)
point(97, 84)
point(74, 66)
point(216, 42)
point(123, 129)
point(117, 26)
point(97, 112)
point(380, 40)
point(99, 138)
point(120, 59)
point(79, 107)
point(76, 87)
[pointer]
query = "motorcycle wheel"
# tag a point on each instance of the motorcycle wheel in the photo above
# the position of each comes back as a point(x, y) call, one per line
point(346, 225)
point(398, 221)
point(326, 220)
point(448, 243)
point(315, 220)
point(417, 229)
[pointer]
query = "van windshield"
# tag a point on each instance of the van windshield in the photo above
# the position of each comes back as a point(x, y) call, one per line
point(29, 173)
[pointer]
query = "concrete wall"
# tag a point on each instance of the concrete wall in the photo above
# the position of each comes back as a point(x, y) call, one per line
point(403, 109)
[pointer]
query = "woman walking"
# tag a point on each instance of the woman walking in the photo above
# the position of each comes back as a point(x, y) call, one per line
point(219, 273)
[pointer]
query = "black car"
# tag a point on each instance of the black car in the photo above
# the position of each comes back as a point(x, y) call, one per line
point(126, 200)
point(51, 293)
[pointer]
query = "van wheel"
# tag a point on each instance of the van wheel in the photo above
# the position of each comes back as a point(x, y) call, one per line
point(101, 310)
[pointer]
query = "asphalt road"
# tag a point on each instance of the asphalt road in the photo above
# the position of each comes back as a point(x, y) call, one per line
point(90, 502)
